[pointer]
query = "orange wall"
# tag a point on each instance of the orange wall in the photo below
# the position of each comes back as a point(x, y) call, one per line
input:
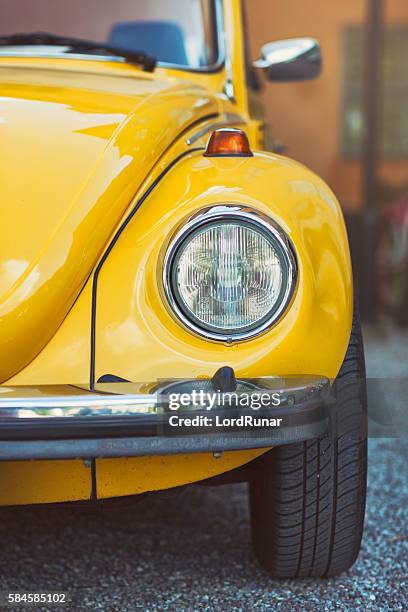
point(307, 116)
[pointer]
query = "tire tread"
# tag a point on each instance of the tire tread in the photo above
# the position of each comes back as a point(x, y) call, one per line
point(308, 499)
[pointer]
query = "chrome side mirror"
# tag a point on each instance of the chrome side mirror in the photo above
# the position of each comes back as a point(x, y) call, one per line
point(294, 59)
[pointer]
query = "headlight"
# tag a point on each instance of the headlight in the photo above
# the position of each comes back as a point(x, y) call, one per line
point(229, 273)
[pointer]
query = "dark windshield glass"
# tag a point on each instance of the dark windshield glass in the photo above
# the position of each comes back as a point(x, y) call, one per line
point(181, 32)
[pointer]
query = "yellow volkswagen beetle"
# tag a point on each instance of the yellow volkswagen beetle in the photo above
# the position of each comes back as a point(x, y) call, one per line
point(156, 261)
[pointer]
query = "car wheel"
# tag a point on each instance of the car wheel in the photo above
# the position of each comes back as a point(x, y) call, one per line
point(307, 499)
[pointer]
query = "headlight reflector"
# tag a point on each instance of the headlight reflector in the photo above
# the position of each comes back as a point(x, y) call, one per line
point(230, 273)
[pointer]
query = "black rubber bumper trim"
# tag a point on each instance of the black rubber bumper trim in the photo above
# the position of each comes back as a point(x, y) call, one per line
point(59, 441)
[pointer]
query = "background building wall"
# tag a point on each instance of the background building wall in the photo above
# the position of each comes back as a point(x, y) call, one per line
point(307, 117)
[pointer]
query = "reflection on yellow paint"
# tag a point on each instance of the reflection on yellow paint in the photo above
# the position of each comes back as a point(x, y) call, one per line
point(78, 147)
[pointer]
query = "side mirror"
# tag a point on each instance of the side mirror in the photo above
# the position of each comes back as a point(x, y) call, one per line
point(294, 59)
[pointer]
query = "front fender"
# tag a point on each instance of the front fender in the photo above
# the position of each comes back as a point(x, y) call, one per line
point(136, 336)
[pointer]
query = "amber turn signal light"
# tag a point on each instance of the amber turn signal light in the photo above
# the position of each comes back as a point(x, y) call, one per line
point(228, 142)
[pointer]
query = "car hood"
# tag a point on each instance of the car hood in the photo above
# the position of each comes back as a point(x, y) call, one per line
point(76, 145)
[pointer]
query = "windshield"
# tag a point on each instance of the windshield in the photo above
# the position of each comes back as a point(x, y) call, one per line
point(177, 32)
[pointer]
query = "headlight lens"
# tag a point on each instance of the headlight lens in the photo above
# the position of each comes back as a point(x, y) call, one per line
point(229, 276)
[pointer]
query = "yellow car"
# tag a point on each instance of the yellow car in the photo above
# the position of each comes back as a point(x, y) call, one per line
point(176, 302)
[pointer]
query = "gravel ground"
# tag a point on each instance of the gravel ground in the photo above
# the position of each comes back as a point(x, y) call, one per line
point(190, 549)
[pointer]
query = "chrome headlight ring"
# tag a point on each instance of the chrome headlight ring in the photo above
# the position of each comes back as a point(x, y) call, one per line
point(247, 218)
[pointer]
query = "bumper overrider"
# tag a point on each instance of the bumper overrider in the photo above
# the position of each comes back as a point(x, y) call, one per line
point(123, 419)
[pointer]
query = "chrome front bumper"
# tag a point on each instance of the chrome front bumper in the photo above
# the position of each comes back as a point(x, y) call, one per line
point(126, 419)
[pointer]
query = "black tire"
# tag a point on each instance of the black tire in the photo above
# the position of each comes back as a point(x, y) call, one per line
point(307, 500)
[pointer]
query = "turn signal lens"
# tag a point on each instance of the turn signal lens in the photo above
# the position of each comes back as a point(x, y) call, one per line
point(228, 142)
